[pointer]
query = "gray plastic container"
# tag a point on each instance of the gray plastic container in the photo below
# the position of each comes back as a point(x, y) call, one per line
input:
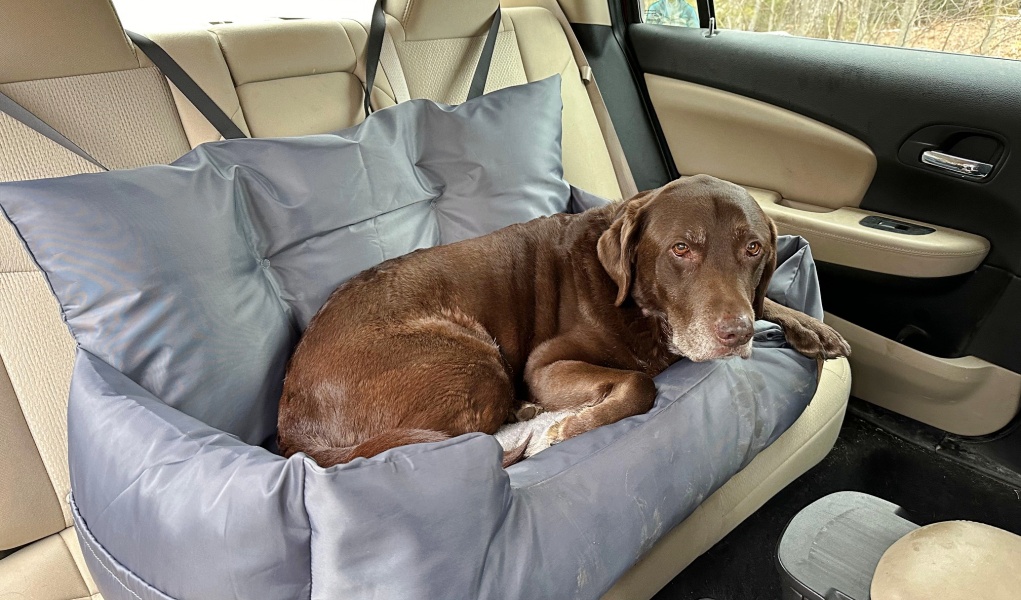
point(830, 550)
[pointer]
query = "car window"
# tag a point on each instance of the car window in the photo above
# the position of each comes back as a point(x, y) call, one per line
point(670, 12)
point(167, 15)
point(983, 27)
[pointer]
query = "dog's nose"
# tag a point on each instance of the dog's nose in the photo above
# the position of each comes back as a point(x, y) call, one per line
point(734, 331)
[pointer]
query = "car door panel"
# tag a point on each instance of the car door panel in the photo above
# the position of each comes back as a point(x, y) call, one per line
point(757, 144)
point(878, 95)
point(966, 396)
point(839, 237)
point(927, 312)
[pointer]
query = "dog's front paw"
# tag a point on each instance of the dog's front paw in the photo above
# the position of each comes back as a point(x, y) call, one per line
point(562, 430)
point(816, 340)
point(528, 411)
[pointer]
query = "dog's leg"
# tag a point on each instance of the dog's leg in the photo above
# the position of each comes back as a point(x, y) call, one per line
point(603, 395)
point(806, 334)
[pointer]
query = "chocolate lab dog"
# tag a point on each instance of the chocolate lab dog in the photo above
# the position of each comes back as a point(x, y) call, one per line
point(567, 312)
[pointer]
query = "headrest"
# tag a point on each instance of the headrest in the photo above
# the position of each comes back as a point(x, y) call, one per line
point(45, 39)
point(442, 19)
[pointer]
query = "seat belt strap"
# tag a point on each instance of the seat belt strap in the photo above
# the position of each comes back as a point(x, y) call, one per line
point(191, 90)
point(24, 116)
point(374, 49)
point(478, 85)
point(625, 180)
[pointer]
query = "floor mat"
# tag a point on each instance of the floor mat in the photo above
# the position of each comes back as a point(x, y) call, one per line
point(868, 458)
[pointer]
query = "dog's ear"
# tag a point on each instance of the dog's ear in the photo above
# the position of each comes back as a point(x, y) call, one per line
point(769, 267)
point(616, 247)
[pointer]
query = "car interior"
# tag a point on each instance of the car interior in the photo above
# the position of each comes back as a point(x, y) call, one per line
point(909, 454)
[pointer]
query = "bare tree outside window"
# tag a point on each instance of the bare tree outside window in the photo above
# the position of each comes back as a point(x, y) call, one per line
point(984, 27)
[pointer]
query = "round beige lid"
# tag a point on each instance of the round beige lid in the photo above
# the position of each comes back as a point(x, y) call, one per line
point(954, 560)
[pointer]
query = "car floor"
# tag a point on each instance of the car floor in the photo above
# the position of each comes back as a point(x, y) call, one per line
point(879, 453)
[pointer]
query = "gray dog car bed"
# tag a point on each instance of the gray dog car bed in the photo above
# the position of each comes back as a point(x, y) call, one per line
point(186, 287)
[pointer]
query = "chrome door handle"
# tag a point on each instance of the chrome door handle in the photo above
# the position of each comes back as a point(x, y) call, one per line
point(956, 164)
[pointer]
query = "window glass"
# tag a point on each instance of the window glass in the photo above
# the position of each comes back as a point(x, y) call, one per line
point(146, 16)
point(670, 12)
point(985, 27)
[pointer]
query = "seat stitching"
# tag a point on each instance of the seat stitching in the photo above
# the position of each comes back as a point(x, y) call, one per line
point(517, 43)
point(131, 46)
point(304, 500)
point(226, 61)
point(85, 541)
point(301, 75)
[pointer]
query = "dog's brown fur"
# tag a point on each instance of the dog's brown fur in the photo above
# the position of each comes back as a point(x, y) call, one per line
point(567, 312)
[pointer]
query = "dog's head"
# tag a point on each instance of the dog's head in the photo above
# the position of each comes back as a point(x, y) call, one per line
point(697, 253)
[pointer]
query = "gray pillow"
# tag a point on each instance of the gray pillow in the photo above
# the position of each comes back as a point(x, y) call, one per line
point(195, 279)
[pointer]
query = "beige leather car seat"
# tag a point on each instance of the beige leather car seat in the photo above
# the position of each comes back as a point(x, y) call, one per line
point(70, 64)
point(276, 78)
point(438, 44)
point(300, 77)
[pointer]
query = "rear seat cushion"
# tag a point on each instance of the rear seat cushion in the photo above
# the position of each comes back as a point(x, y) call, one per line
point(47, 570)
point(36, 504)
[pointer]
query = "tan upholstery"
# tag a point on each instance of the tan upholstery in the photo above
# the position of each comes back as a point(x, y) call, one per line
point(439, 60)
point(757, 144)
point(838, 237)
point(71, 64)
point(51, 569)
point(199, 54)
point(294, 77)
point(91, 109)
point(954, 560)
point(544, 51)
point(303, 77)
point(591, 12)
point(48, 39)
point(432, 20)
point(26, 490)
point(275, 78)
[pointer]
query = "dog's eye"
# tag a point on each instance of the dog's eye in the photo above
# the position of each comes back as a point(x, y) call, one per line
point(680, 249)
point(753, 248)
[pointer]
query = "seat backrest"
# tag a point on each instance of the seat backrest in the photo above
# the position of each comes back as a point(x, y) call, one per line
point(70, 64)
point(299, 77)
point(274, 78)
point(438, 44)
